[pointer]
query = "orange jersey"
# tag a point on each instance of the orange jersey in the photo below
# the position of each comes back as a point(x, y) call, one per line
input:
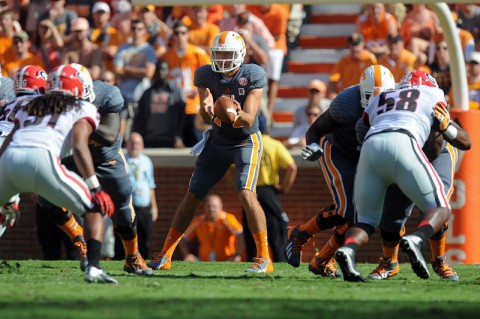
point(6, 50)
point(182, 70)
point(215, 237)
point(404, 64)
point(377, 32)
point(276, 21)
point(348, 71)
point(111, 37)
point(14, 65)
point(203, 36)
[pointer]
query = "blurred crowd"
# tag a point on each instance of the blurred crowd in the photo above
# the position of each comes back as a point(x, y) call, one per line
point(151, 53)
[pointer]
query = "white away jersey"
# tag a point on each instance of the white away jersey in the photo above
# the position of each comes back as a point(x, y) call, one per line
point(409, 110)
point(51, 131)
point(7, 114)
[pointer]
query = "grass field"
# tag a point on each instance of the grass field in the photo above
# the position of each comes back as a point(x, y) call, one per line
point(55, 289)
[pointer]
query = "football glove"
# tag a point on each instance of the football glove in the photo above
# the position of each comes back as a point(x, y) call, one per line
point(442, 116)
point(103, 201)
point(8, 214)
point(312, 152)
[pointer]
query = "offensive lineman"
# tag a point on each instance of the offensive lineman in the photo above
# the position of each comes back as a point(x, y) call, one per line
point(109, 161)
point(338, 155)
point(400, 122)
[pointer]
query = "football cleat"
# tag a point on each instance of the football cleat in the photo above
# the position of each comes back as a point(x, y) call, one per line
point(444, 270)
point(81, 246)
point(385, 269)
point(412, 246)
point(293, 247)
point(135, 264)
point(160, 262)
point(261, 265)
point(345, 257)
point(324, 268)
point(97, 275)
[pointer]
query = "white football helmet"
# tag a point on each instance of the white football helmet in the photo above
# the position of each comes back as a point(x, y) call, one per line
point(88, 92)
point(374, 80)
point(227, 41)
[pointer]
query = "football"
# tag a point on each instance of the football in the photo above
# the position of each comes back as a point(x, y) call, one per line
point(225, 109)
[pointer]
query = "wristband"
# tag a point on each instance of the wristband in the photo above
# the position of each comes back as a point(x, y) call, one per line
point(92, 182)
point(314, 145)
point(451, 132)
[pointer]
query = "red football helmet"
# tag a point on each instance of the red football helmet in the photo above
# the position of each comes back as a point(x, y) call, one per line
point(417, 78)
point(30, 79)
point(67, 80)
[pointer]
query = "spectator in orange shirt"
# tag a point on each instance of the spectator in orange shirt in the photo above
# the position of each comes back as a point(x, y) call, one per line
point(219, 234)
point(184, 58)
point(275, 18)
point(104, 35)
point(348, 69)
point(82, 50)
point(375, 27)
point(22, 55)
point(7, 30)
point(399, 60)
point(201, 33)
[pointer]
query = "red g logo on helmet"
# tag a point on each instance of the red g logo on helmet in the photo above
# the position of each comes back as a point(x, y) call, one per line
point(65, 79)
point(30, 79)
point(417, 78)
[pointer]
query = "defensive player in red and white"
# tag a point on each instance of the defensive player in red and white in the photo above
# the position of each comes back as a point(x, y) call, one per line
point(333, 142)
point(238, 143)
point(30, 158)
point(400, 122)
point(29, 82)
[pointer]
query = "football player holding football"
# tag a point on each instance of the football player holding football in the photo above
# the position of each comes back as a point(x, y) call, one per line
point(238, 143)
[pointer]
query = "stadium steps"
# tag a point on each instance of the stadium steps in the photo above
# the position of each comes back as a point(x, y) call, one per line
point(322, 41)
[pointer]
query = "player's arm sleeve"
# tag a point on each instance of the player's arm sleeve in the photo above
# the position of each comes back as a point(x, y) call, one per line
point(323, 125)
point(108, 129)
point(199, 79)
point(361, 129)
point(258, 77)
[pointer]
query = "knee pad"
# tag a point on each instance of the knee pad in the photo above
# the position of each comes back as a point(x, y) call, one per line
point(369, 229)
point(126, 232)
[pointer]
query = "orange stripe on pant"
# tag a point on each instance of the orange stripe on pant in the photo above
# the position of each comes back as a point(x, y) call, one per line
point(334, 183)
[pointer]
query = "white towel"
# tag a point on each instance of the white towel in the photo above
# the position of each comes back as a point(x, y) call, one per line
point(198, 148)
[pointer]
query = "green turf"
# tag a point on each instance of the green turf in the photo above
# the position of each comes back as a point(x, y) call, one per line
point(43, 289)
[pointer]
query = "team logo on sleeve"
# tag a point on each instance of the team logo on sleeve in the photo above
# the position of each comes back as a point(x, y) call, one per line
point(243, 81)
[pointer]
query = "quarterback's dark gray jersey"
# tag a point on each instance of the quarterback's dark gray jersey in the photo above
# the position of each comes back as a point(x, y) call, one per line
point(248, 77)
